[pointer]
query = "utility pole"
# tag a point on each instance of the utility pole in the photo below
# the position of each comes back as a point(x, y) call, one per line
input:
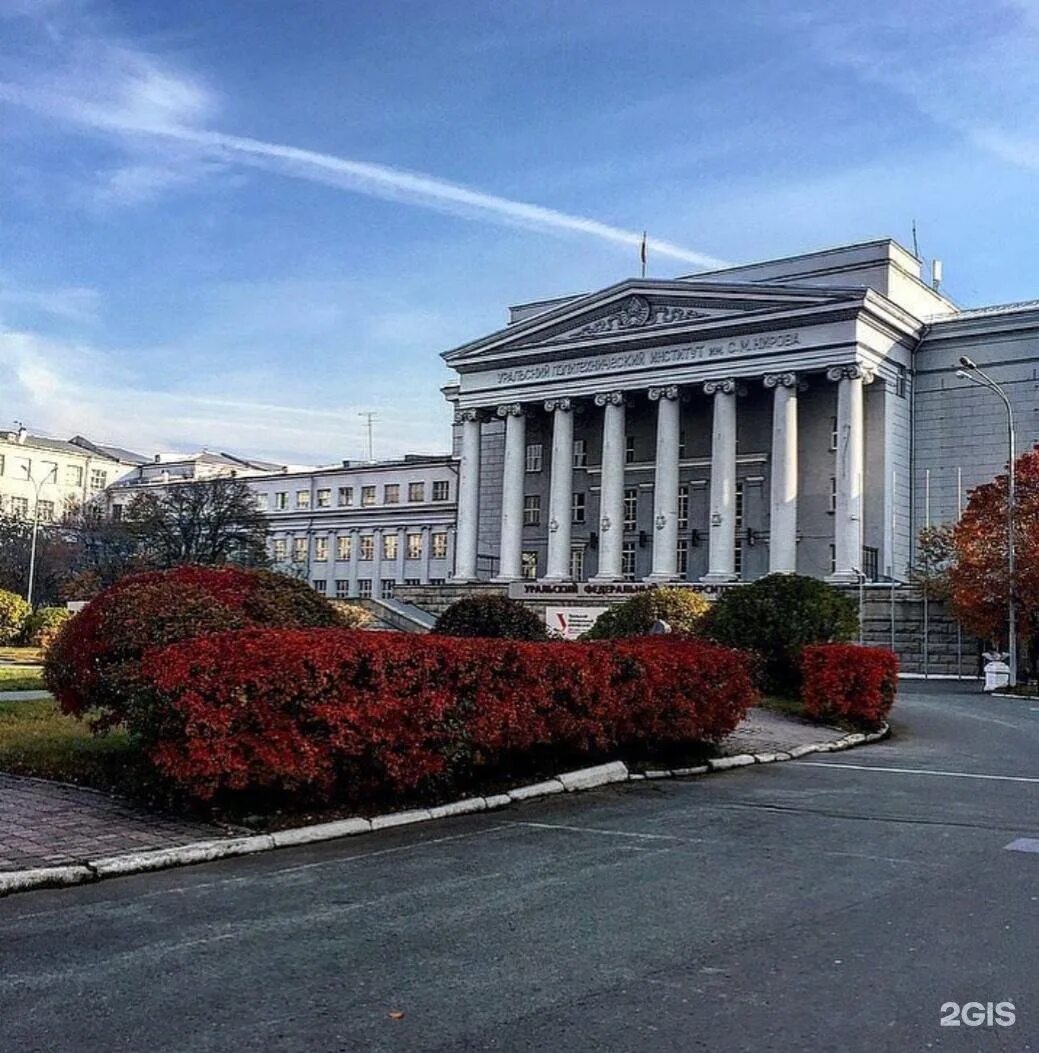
point(37, 486)
point(370, 419)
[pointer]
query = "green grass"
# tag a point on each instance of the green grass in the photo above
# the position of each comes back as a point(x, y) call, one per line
point(789, 707)
point(36, 738)
point(21, 678)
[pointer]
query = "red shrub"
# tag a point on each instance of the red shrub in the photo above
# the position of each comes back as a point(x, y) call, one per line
point(334, 713)
point(92, 664)
point(849, 681)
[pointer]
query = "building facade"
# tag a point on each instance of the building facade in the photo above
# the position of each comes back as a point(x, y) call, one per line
point(67, 476)
point(359, 530)
point(800, 415)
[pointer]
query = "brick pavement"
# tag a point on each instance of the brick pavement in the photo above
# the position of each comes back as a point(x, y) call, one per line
point(764, 731)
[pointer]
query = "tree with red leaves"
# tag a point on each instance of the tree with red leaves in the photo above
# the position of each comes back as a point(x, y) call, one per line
point(979, 578)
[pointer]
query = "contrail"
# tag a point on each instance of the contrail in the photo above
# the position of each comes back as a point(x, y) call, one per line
point(359, 176)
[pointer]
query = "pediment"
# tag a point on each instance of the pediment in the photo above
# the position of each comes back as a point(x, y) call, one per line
point(644, 309)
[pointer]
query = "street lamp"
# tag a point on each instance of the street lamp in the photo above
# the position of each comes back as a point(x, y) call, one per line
point(976, 375)
point(36, 524)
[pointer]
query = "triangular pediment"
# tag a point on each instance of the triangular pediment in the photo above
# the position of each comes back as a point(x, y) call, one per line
point(646, 309)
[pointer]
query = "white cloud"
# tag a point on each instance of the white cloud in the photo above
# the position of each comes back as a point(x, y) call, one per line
point(71, 303)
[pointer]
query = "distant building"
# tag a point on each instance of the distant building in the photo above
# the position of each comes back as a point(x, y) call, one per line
point(361, 529)
point(70, 474)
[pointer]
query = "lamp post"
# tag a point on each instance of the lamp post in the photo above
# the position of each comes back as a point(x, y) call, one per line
point(37, 486)
point(976, 375)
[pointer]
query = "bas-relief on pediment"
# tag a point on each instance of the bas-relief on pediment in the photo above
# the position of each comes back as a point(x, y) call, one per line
point(633, 313)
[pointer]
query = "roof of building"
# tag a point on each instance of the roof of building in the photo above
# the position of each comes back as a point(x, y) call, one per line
point(45, 442)
point(983, 312)
point(117, 453)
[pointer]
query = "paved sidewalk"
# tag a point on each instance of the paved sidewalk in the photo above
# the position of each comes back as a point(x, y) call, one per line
point(48, 824)
point(23, 696)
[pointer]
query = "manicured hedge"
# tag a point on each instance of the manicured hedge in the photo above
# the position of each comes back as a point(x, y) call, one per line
point(329, 715)
point(682, 609)
point(93, 661)
point(491, 616)
point(849, 681)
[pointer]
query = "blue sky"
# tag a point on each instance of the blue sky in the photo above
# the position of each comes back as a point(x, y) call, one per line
point(239, 225)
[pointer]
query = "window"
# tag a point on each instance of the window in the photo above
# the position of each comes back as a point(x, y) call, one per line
point(580, 453)
point(900, 382)
point(532, 510)
point(342, 588)
point(870, 562)
point(681, 444)
point(439, 546)
point(20, 506)
point(117, 513)
point(535, 455)
point(45, 510)
point(416, 491)
point(441, 490)
point(299, 549)
point(577, 508)
point(302, 498)
point(386, 587)
point(346, 496)
point(324, 498)
point(48, 472)
point(683, 557)
point(2, 468)
point(683, 507)
point(629, 449)
point(98, 479)
point(343, 547)
point(831, 505)
point(631, 508)
point(628, 561)
point(389, 546)
point(364, 588)
point(281, 550)
point(73, 474)
point(833, 559)
point(391, 494)
point(833, 434)
point(529, 566)
point(261, 502)
point(320, 585)
point(414, 546)
point(737, 565)
point(321, 550)
point(367, 496)
point(412, 581)
point(577, 563)
point(281, 500)
point(367, 548)
point(438, 581)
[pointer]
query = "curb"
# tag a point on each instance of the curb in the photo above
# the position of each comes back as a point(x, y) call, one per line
point(568, 782)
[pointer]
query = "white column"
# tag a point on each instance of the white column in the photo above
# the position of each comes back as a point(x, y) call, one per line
point(782, 545)
point(427, 552)
point(468, 496)
point(510, 564)
point(665, 483)
point(330, 566)
point(402, 537)
point(611, 492)
point(377, 564)
point(353, 572)
point(561, 488)
point(849, 470)
point(721, 554)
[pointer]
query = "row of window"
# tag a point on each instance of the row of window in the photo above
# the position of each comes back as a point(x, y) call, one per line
point(47, 471)
point(530, 568)
point(579, 508)
point(365, 547)
point(19, 506)
point(441, 490)
point(364, 586)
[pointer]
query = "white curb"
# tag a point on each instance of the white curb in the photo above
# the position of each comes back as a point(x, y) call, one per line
point(572, 781)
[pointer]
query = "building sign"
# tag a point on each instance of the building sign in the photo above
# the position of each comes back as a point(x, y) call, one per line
point(571, 622)
point(590, 590)
point(619, 362)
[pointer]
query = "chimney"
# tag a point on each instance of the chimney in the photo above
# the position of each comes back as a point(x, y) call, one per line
point(936, 274)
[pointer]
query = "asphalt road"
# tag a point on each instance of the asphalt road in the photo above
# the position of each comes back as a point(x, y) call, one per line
point(830, 904)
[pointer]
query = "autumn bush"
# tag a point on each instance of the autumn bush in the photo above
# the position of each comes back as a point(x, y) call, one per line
point(13, 612)
point(776, 617)
point(849, 682)
point(41, 628)
point(332, 715)
point(92, 664)
point(491, 616)
point(682, 609)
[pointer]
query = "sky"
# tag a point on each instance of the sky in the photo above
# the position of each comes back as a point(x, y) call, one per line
point(238, 226)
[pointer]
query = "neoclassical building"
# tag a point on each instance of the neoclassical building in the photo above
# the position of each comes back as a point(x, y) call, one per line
point(800, 414)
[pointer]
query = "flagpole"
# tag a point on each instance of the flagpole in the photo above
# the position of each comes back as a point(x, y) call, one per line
point(642, 253)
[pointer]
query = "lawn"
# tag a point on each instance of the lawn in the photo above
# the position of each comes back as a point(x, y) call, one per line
point(21, 678)
point(36, 738)
point(21, 655)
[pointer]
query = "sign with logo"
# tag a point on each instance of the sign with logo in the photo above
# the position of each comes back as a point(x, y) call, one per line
point(571, 622)
point(580, 590)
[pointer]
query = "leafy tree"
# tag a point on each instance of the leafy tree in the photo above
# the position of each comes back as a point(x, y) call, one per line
point(682, 609)
point(208, 523)
point(979, 577)
point(936, 553)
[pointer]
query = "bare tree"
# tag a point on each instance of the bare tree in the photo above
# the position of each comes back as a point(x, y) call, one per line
point(211, 522)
